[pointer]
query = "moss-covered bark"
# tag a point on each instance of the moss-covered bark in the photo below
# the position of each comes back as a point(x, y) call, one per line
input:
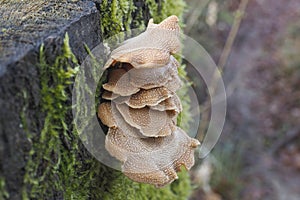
point(57, 165)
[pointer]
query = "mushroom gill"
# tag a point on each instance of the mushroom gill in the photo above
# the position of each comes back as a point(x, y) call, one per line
point(141, 107)
point(126, 80)
point(151, 97)
point(110, 116)
point(172, 103)
point(151, 123)
point(118, 83)
point(109, 95)
point(152, 160)
point(106, 115)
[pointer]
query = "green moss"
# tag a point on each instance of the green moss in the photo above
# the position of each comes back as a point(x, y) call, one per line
point(161, 9)
point(54, 167)
point(116, 16)
point(124, 188)
point(184, 118)
point(3, 192)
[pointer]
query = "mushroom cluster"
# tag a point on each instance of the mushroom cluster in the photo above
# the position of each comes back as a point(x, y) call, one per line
point(140, 106)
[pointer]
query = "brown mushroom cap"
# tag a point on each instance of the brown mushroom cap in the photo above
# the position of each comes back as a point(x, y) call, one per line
point(125, 83)
point(172, 103)
point(118, 142)
point(170, 23)
point(105, 114)
point(110, 116)
point(109, 95)
point(150, 97)
point(148, 78)
point(118, 83)
point(151, 48)
point(151, 123)
point(174, 84)
point(152, 160)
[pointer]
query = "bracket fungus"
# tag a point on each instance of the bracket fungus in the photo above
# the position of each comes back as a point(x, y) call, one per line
point(140, 106)
point(151, 97)
point(151, 48)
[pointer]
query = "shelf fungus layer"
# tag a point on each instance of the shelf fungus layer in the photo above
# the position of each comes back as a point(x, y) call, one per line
point(151, 48)
point(152, 160)
point(140, 106)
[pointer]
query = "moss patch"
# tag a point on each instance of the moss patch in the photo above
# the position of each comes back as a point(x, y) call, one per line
point(184, 118)
point(124, 188)
point(54, 168)
point(3, 192)
point(115, 16)
point(123, 15)
point(161, 9)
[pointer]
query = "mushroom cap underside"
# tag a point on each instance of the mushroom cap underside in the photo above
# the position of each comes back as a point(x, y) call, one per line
point(152, 160)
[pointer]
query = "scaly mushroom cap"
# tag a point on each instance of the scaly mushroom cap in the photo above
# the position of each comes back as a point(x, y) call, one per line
point(150, 97)
point(125, 83)
point(151, 48)
point(151, 123)
point(109, 95)
point(170, 23)
point(118, 83)
point(172, 103)
point(110, 116)
point(152, 160)
point(174, 84)
point(148, 78)
point(106, 115)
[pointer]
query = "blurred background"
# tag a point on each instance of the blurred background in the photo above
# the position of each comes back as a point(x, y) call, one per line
point(256, 45)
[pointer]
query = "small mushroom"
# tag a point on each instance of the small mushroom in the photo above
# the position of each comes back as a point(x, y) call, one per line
point(152, 160)
point(151, 48)
point(151, 123)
